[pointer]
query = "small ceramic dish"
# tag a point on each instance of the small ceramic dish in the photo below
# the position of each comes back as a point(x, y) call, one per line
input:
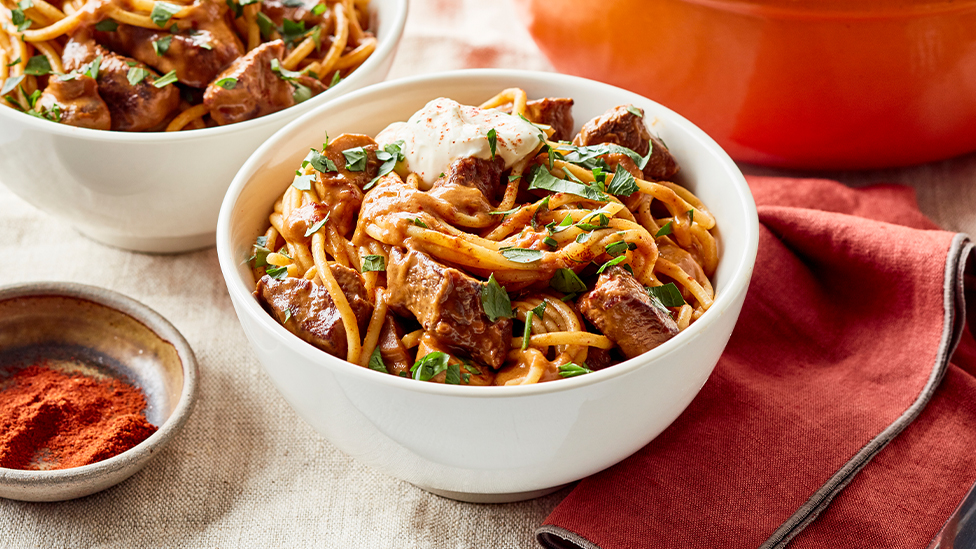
point(117, 337)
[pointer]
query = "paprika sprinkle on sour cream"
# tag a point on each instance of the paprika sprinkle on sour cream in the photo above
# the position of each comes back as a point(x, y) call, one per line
point(52, 416)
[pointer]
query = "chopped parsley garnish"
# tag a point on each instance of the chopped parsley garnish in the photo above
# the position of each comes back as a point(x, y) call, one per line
point(573, 370)
point(611, 263)
point(581, 238)
point(453, 375)
point(602, 222)
point(623, 183)
point(376, 361)
point(589, 156)
point(373, 263)
point(492, 142)
point(37, 66)
point(527, 334)
point(10, 84)
point(466, 377)
point(506, 212)
point(315, 228)
point(551, 242)
point(335, 79)
point(430, 365)
point(162, 12)
point(634, 111)
point(472, 369)
point(691, 216)
point(94, 66)
point(616, 248)
point(419, 222)
point(260, 256)
point(14, 62)
point(540, 178)
point(136, 75)
point(276, 272)
point(316, 34)
point(567, 282)
point(292, 31)
point(521, 255)
point(663, 231)
point(356, 158)
point(389, 156)
point(303, 182)
point(319, 9)
point(108, 25)
point(566, 223)
point(165, 79)
point(265, 25)
point(161, 46)
point(228, 83)
point(287, 315)
point(668, 295)
point(282, 72)
point(301, 94)
point(21, 21)
point(320, 162)
point(495, 301)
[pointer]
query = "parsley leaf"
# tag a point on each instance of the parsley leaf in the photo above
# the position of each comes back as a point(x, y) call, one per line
point(161, 46)
point(320, 162)
point(228, 83)
point(276, 272)
point(335, 79)
point(472, 369)
point(589, 156)
point(663, 231)
point(453, 375)
point(430, 365)
point(265, 25)
point(495, 300)
point(389, 156)
point(136, 75)
point(319, 9)
point(355, 159)
point(573, 370)
point(167, 78)
point(94, 66)
point(614, 249)
point(162, 12)
point(611, 263)
point(419, 222)
point(623, 183)
point(567, 282)
point(108, 25)
point(540, 178)
point(292, 31)
point(315, 228)
point(691, 216)
point(373, 263)
point(376, 361)
point(635, 111)
point(10, 84)
point(301, 94)
point(21, 21)
point(261, 251)
point(506, 212)
point(668, 294)
point(282, 72)
point(521, 255)
point(38, 66)
point(492, 141)
point(303, 182)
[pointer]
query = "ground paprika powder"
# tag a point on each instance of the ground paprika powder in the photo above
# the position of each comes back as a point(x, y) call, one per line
point(54, 418)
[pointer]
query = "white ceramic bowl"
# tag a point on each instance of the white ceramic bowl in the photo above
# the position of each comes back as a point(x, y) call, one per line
point(156, 192)
point(488, 443)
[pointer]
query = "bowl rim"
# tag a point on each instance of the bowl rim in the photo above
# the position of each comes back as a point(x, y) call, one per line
point(155, 323)
point(384, 49)
point(737, 284)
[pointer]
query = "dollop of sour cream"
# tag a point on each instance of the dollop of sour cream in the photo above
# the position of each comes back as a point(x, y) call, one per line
point(445, 130)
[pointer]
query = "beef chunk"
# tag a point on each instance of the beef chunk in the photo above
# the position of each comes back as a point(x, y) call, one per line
point(300, 220)
point(307, 310)
point(134, 108)
point(293, 10)
point(553, 111)
point(197, 56)
point(259, 91)
point(78, 102)
point(478, 173)
point(342, 189)
point(395, 354)
point(447, 302)
point(622, 127)
point(619, 306)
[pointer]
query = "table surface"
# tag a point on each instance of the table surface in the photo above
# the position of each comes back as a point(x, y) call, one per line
point(246, 471)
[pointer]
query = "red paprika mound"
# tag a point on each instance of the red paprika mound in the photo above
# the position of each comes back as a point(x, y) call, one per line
point(55, 419)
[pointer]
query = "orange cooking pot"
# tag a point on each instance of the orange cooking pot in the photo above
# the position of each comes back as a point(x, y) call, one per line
point(790, 83)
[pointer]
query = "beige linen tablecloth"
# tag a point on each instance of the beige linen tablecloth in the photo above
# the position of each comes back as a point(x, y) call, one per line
point(246, 471)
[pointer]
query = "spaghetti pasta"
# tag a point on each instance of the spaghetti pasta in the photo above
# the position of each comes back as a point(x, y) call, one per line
point(231, 60)
point(512, 257)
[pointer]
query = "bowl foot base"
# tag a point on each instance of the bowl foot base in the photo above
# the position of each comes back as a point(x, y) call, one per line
point(494, 498)
point(155, 245)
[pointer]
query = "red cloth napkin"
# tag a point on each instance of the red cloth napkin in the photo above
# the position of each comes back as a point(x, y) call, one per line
point(834, 418)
